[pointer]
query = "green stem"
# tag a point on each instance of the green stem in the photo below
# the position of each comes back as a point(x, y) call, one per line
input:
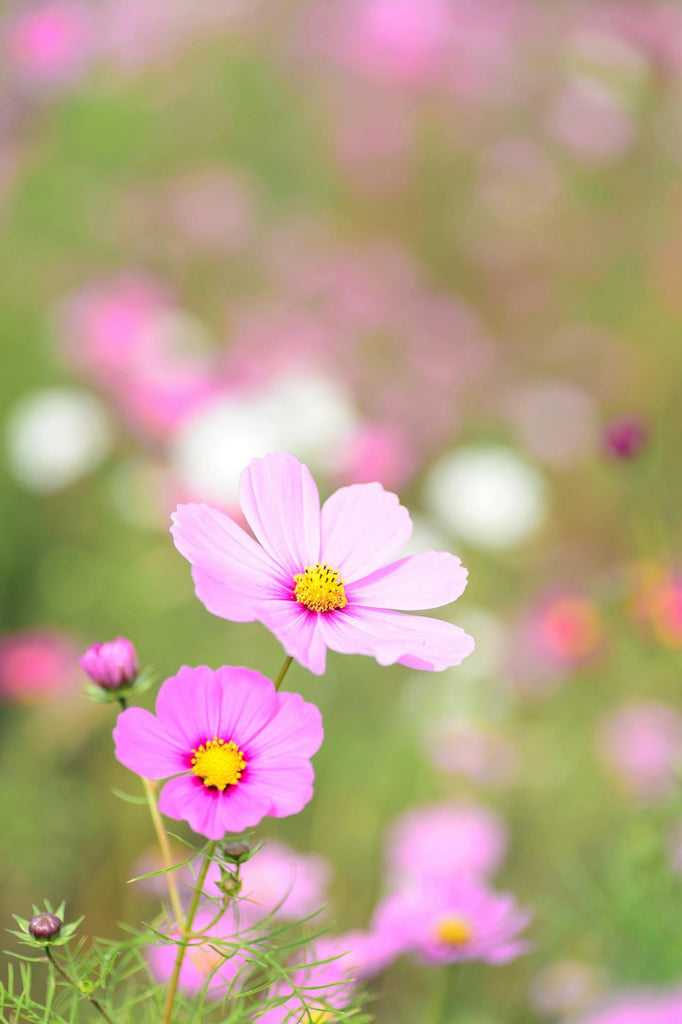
point(186, 935)
point(74, 984)
point(150, 793)
point(282, 672)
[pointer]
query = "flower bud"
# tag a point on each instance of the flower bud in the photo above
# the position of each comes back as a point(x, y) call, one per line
point(111, 665)
point(236, 851)
point(45, 926)
point(229, 885)
point(625, 438)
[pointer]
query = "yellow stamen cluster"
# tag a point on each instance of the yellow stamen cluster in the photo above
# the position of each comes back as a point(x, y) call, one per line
point(453, 930)
point(218, 763)
point(316, 1017)
point(320, 588)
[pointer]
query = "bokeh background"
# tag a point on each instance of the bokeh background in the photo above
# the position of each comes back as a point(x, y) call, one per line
point(435, 243)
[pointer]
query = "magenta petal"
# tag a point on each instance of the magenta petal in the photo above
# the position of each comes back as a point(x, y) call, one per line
point(428, 580)
point(294, 735)
point(288, 788)
point(229, 568)
point(249, 701)
point(279, 498)
point(298, 632)
point(189, 705)
point(144, 746)
point(363, 527)
point(210, 813)
point(388, 636)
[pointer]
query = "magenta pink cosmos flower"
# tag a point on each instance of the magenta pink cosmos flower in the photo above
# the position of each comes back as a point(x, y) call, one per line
point(202, 965)
point(451, 920)
point(280, 881)
point(445, 840)
point(323, 579)
point(233, 748)
point(111, 665)
point(326, 982)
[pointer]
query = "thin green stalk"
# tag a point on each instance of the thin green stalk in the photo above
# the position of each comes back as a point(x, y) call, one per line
point(150, 793)
point(74, 984)
point(186, 935)
point(282, 672)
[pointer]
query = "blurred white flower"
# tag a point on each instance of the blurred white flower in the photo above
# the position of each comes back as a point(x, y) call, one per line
point(56, 436)
point(487, 495)
point(308, 415)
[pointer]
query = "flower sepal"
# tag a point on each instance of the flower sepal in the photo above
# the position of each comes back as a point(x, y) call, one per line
point(144, 681)
point(46, 927)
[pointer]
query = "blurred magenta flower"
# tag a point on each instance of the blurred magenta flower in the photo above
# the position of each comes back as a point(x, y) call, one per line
point(567, 628)
point(111, 665)
point(278, 880)
point(237, 749)
point(203, 965)
point(50, 43)
point(323, 580)
point(448, 920)
point(624, 438)
point(447, 840)
point(641, 743)
point(36, 665)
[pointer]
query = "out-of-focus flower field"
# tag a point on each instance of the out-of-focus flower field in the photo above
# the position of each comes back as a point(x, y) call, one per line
point(433, 243)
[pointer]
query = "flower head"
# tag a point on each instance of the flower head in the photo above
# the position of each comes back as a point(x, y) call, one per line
point(451, 920)
point(236, 749)
point(323, 579)
point(111, 665)
point(45, 926)
point(625, 438)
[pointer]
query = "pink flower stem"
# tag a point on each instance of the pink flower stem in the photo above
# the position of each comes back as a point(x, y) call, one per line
point(186, 934)
point(150, 793)
point(282, 672)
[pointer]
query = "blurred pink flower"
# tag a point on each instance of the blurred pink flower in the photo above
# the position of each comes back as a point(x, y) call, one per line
point(323, 986)
point(324, 579)
point(567, 628)
point(233, 748)
point(202, 964)
point(278, 880)
point(593, 122)
point(454, 919)
point(639, 1007)
point(37, 665)
point(624, 438)
point(641, 743)
point(52, 42)
point(377, 452)
point(112, 664)
point(443, 841)
point(657, 602)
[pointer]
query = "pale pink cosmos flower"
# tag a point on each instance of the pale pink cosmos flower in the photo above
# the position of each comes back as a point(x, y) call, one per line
point(639, 1007)
point(233, 748)
point(324, 983)
point(641, 743)
point(324, 579)
point(449, 920)
point(445, 840)
point(278, 880)
point(36, 665)
point(203, 965)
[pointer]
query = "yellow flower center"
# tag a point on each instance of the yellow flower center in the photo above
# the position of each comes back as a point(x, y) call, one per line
point(218, 763)
point(320, 588)
point(453, 930)
point(316, 1017)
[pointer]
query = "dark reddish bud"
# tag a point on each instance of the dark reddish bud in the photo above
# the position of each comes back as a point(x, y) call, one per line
point(45, 926)
point(235, 852)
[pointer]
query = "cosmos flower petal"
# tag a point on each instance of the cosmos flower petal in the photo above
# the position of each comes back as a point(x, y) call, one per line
point(279, 498)
point(298, 631)
point(363, 528)
point(210, 813)
point(293, 736)
point(190, 705)
point(241, 715)
point(229, 568)
point(144, 746)
point(413, 640)
point(290, 786)
point(427, 580)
